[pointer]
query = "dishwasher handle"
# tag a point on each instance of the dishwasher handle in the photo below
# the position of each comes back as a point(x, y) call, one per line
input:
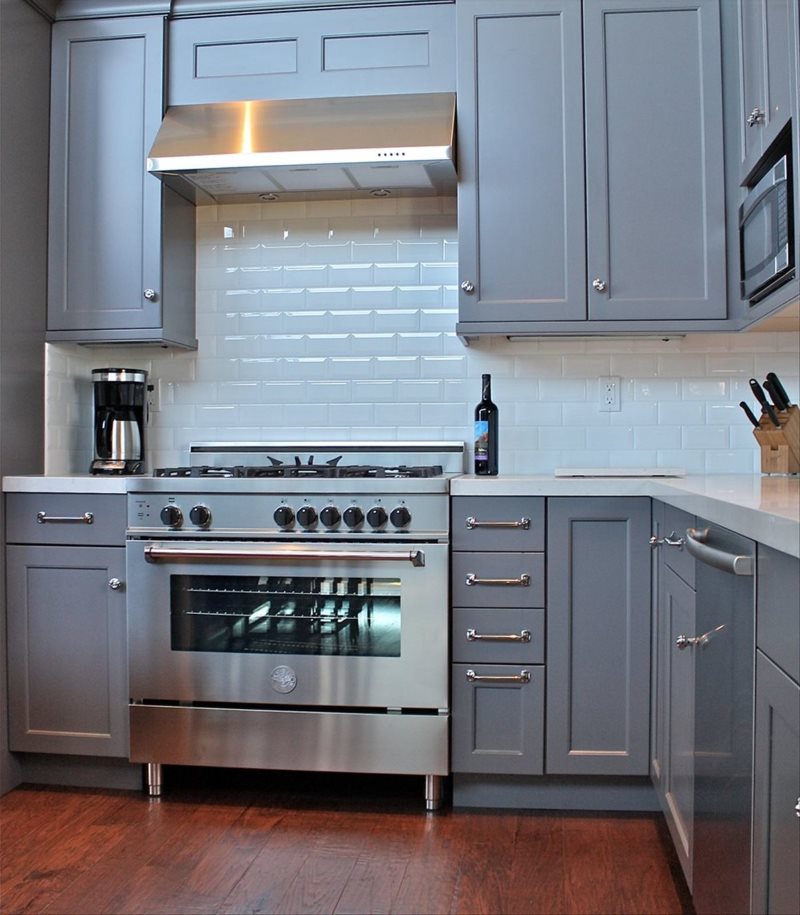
point(726, 562)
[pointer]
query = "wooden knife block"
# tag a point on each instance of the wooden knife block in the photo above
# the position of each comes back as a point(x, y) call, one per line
point(780, 448)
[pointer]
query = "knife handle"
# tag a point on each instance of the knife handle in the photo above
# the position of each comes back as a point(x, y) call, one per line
point(761, 397)
point(776, 399)
point(779, 389)
point(749, 413)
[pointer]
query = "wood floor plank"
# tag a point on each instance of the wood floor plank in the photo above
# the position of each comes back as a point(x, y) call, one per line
point(537, 874)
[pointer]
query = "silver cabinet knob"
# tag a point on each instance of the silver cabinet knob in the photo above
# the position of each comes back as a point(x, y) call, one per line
point(684, 641)
point(756, 116)
point(797, 807)
point(468, 286)
point(115, 584)
point(599, 285)
point(150, 294)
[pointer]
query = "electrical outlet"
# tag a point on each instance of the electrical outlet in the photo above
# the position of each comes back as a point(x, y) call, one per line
point(154, 396)
point(608, 394)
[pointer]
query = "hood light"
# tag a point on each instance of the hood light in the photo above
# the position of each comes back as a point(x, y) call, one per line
point(268, 198)
point(380, 192)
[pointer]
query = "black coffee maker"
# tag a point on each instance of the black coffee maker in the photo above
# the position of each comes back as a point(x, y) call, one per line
point(119, 420)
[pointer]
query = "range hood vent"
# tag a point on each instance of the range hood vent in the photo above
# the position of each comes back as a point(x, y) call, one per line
point(250, 151)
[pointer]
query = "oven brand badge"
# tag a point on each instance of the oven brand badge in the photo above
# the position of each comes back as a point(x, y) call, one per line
point(284, 679)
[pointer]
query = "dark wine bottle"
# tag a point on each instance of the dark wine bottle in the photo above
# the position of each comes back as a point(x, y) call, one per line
point(486, 431)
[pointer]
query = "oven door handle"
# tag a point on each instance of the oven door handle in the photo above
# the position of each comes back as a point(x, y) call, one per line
point(173, 554)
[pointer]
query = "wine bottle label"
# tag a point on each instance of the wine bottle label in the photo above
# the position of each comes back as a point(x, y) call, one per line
point(481, 440)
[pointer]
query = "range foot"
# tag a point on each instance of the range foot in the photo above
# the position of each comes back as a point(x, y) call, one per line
point(433, 792)
point(154, 779)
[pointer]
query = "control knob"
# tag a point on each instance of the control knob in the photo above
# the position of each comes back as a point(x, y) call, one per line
point(353, 517)
point(330, 516)
point(172, 516)
point(283, 516)
point(307, 516)
point(400, 516)
point(200, 515)
point(376, 517)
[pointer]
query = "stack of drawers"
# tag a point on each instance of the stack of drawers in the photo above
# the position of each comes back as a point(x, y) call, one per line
point(498, 624)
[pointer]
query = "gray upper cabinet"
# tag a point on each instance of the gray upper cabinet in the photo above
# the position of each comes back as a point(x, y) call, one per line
point(304, 54)
point(629, 101)
point(598, 636)
point(767, 36)
point(121, 248)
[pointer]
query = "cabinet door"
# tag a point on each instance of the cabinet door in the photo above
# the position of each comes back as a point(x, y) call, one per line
point(598, 636)
point(675, 712)
point(767, 33)
point(520, 151)
point(67, 654)
point(497, 719)
point(776, 799)
point(105, 210)
point(654, 177)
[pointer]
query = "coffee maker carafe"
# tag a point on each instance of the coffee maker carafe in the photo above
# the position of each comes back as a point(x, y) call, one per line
point(119, 420)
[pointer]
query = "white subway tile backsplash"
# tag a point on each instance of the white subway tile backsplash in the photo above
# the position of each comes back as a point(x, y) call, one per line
point(336, 319)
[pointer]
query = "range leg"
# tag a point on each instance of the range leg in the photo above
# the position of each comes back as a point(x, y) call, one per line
point(154, 779)
point(433, 792)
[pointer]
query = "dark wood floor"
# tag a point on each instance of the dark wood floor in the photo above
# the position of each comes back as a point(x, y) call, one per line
point(237, 842)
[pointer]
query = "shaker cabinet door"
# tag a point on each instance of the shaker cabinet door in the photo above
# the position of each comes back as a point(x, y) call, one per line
point(67, 651)
point(655, 196)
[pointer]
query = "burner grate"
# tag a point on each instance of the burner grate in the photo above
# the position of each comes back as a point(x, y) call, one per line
point(329, 470)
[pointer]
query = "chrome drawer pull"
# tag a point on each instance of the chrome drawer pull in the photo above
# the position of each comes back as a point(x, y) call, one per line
point(472, 523)
point(523, 636)
point(726, 562)
point(524, 676)
point(472, 579)
point(85, 518)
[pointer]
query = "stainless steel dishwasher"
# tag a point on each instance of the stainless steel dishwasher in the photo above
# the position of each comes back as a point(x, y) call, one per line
point(723, 648)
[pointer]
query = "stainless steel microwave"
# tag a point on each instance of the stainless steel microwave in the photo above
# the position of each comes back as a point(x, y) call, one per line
point(766, 232)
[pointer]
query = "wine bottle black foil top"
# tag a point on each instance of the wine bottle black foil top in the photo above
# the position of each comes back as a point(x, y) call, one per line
point(486, 431)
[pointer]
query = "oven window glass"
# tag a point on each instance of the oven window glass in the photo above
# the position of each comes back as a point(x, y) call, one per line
point(286, 615)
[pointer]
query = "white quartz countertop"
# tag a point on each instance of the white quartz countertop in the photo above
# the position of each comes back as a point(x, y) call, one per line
point(764, 508)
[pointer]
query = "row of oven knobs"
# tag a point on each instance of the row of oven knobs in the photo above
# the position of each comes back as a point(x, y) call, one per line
point(330, 517)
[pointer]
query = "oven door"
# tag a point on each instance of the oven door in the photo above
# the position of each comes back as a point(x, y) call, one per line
point(337, 625)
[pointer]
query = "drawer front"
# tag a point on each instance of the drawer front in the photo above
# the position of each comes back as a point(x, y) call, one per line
point(72, 519)
point(498, 580)
point(777, 619)
point(498, 724)
point(677, 557)
point(497, 524)
point(498, 636)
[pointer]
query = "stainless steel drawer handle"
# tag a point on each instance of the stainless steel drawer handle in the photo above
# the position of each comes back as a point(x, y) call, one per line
point(44, 518)
point(523, 523)
point(524, 676)
point(726, 562)
point(523, 636)
point(472, 579)
point(287, 554)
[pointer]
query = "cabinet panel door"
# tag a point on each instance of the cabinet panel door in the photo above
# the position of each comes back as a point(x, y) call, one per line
point(598, 636)
point(676, 713)
point(498, 725)
point(105, 210)
point(655, 184)
point(68, 683)
point(520, 151)
point(776, 829)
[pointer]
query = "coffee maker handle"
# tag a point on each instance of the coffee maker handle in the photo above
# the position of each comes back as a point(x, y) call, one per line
point(103, 436)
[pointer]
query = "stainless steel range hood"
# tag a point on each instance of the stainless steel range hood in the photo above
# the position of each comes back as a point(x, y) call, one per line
point(244, 152)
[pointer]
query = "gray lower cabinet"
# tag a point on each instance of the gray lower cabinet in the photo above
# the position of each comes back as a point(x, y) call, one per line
point(312, 54)
point(598, 636)
point(672, 738)
point(623, 230)
point(67, 624)
point(776, 765)
point(498, 634)
point(121, 257)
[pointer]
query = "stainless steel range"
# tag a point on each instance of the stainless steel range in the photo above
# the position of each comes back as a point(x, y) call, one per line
point(288, 609)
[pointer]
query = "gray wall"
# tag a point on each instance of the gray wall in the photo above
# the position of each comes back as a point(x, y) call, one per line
point(24, 107)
